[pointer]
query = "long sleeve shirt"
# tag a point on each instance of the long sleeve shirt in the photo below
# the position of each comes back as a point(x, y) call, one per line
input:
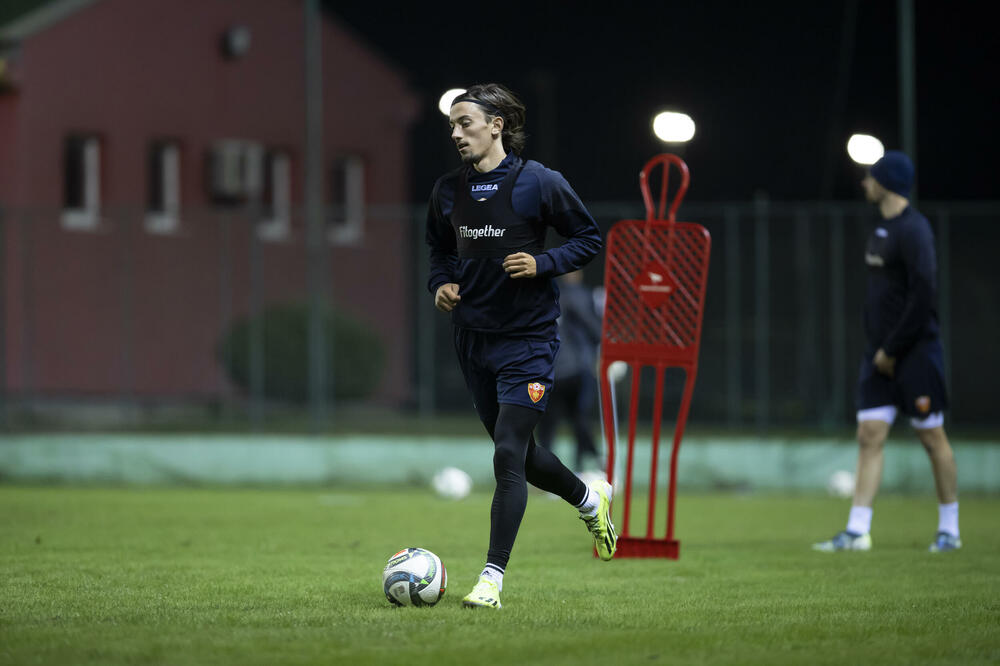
point(901, 300)
point(541, 198)
point(579, 332)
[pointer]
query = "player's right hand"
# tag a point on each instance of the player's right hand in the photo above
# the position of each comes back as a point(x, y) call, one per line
point(884, 363)
point(447, 297)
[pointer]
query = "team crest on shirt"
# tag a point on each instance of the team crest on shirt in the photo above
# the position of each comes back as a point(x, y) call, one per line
point(923, 404)
point(535, 391)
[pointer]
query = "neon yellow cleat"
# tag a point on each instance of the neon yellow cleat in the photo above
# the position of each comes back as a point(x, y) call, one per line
point(605, 537)
point(485, 594)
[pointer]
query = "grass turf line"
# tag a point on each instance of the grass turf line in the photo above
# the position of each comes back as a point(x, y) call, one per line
point(195, 576)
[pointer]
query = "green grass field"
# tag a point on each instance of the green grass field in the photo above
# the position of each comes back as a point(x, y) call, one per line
point(200, 576)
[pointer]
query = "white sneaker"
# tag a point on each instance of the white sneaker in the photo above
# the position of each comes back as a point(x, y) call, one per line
point(845, 541)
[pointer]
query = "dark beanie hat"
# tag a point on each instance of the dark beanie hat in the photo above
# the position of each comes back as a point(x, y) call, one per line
point(894, 172)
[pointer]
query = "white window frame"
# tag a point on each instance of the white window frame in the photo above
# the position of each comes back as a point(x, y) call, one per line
point(88, 216)
point(235, 171)
point(276, 224)
point(167, 221)
point(346, 222)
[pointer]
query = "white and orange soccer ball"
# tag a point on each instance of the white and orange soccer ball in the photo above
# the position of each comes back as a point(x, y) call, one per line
point(414, 577)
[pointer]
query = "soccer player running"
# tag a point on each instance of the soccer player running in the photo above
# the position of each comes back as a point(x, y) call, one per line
point(902, 369)
point(486, 227)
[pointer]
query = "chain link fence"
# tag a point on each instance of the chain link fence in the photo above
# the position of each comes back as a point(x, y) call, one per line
point(782, 336)
point(123, 314)
point(208, 317)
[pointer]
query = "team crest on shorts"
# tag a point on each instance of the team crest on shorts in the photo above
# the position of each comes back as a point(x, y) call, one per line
point(535, 391)
point(923, 404)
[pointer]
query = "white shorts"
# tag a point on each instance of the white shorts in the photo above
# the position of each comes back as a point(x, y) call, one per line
point(887, 414)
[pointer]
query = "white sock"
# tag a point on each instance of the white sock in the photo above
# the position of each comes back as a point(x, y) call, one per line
point(494, 573)
point(860, 520)
point(948, 518)
point(588, 507)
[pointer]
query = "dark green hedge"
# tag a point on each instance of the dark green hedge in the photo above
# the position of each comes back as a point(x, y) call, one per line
point(355, 357)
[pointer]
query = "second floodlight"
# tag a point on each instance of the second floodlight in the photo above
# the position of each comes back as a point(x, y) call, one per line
point(865, 149)
point(673, 127)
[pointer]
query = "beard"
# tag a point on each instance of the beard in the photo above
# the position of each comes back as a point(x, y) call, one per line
point(472, 159)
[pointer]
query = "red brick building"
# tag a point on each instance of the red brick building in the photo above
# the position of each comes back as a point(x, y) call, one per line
point(132, 135)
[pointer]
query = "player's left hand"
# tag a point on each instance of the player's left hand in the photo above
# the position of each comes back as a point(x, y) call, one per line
point(520, 265)
point(884, 363)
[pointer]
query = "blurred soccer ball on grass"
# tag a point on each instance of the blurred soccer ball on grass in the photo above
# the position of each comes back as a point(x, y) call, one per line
point(452, 483)
point(840, 483)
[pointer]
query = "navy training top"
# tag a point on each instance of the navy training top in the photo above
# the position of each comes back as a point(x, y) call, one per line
point(901, 300)
point(579, 331)
point(539, 198)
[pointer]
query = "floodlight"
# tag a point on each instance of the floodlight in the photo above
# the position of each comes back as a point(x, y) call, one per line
point(444, 104)
point(673, 127)
point(865, 149)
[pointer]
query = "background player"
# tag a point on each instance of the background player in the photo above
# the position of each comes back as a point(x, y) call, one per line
point(902, 369)
point(575, 398)
point(486, 228)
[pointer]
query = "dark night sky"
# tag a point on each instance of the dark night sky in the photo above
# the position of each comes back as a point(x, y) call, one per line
point(760, 80)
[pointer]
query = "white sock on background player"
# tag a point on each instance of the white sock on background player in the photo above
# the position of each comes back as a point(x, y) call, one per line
point(859, 521)
point(948, 518)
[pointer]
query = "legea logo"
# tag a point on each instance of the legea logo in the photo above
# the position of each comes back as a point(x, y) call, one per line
point(488, 187)
point(488, 231)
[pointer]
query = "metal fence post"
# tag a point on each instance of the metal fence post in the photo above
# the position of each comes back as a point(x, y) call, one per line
point(426, 328)
point(28, 305)
point(122, 228)
point(734, 347)
point(806, 296)
point(944, 292)
point(320, 381)
point(226, 301)
point(256, 337)
point(762, 316)
point(838, 332)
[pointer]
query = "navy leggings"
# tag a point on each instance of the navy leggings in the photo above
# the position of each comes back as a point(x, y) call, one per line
point(518, 461)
